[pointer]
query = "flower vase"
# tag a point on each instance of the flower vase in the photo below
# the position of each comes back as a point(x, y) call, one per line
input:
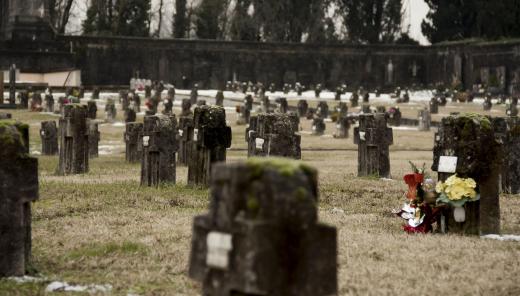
point(459, 214)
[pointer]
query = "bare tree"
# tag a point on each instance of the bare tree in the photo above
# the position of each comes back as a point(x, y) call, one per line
point(59, 13)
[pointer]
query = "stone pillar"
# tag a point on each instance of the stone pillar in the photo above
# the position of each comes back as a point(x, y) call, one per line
point(318, 126)
point(93, 138)
point(159, 144)
point(194, 95)
point(95, 93)
point(510, 175)
point(323, 110)
point(434, 106)
point(302, 108)
point(373, 138)
point(487, 103)
point(12, 85)
point(19, 175)
point(130, 115)
point(49, 137)
point(185, 139)
point(274, 135)
point(123, 99)
point(49, 103)
point(133, 136)
point(261, 235)
point(110, 111)
point(466, 145)
point(219, 98)
point(211, 137)
point(91, 110)
point(24, 99)
point(342, 127)
point(73, 134)
point(354, 99)
point(425, 120)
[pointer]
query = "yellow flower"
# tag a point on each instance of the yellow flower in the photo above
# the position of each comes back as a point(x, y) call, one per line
point(440, 187)
point(457, 188)
point(470, 183)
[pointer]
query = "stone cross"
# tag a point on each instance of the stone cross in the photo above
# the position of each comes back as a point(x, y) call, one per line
point(365, 109)
point(302, 108)
point(19, 175)
point(323, 109)
point(467, 145)
point(186, 108)
point(159, 145)
point(274, 134)
point(425, 120)
point(185, 139)
point(94, 137)
point(49, 102)
point(49, 137)
point(261, 235)
point(394, 116)
point(12, 85)
point(510, 175)
point(317, 91)
point(210, 139)
point(95, 93)
point(373, 138)
point(136, 99)
point(219, 98)
point(110, 111)
point(512, 110)
point(133, 136)
point(194, 95)
point(434, 106)
point(73, 137)
point(281, 105)
point(91, 109)
point(24, 99)
point(318, 126)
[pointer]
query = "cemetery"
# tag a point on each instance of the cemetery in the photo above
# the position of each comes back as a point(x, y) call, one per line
point(172, 169)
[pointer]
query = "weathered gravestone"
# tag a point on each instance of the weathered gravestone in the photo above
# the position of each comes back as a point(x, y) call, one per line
point(91, 109)
point(124, 100)
point(244, 111)
point(302, 108)
point(354, 99)
point(323, 109)
point(281, 105)
point(425, 120)
point(466, 145)
point(94, 137)
point(49, 137)
point(339, 92)
point(186, 108)
point(342, 127)
point(130, 115)
point(318, 126)
point(73, 137)
point(274, 135)
point(136, 99)
point(159, 145)
point(510, 174)
point(210, 139)
point(366, 97)
point(373, 138)
point(168, 106)
point(487, 103)
point(261, 235)
point(19, 177)
point(24, 99)
point(185, 139)
point(341, 110)
point(512, 109)
point(365, 109)
point(434, 106)
point(2, 87)
point(317, 91)
point(194, 95)
point(219, 98)
point(95, 93)
point(133, 138)
point(394, 116)
point(49, 102)
point(110, 111)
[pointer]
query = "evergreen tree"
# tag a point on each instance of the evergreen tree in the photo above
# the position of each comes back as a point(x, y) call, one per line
point(180, 20)
point(133, 18)
point(208, 15)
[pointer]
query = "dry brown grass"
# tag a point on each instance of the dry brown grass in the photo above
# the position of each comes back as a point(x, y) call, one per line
point(103, 228)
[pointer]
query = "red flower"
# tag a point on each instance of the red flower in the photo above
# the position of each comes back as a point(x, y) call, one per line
point(412, 180)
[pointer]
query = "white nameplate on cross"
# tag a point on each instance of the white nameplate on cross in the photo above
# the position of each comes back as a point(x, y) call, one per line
point(146, 140)
point(259, 143)
point(218, 245)
point(195, 135)
point(447, 164)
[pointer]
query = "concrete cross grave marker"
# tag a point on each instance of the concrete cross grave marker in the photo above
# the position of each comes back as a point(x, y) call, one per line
point(133, 136)
point(261, 235)
point(73, 140)
point(373, 138)
point(49, 137)
point(19, 175)
point(274, 135)
point(94, 137)
point(159, 146)
point(425, 120)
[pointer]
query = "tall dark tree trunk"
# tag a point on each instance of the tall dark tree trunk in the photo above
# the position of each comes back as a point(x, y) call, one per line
point(180, 21)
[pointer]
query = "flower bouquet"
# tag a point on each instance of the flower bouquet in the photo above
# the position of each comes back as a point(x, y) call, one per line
point(456, 192)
